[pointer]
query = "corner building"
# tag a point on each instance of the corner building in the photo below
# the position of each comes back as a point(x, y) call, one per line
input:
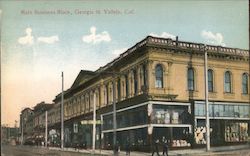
point(159, 94)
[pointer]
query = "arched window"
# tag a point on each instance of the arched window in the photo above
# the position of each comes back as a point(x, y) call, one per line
point(210, 80)
point(159, 76)
point(190, 79)
point(245, 83)
point(227, 82)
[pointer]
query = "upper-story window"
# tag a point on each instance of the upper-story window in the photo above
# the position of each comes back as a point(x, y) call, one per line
point(245, 83)
point(111, 93)
point(210, 80)
point(190, 78)
point(227, 82)
point(126, 85)
point(144, 74)
point(107, 94)
point(135, 81)
point(159, 76)
point(119, 88)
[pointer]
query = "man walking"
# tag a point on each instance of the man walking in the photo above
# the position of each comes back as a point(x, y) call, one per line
point(165, 148)
point(156, 148)
point(127, 148)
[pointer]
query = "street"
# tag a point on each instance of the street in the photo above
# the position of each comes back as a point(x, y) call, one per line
point(8, 150)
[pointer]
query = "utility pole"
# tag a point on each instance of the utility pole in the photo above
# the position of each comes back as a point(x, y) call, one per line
point(62, 117)
point(94, 124)
point(22, 129)
point(46, 129)
point(16, 131)
point(114, 116)
point(206, 100)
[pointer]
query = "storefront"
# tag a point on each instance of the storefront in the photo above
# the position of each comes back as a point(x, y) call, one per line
point(229, 123)
point(144, 123)
point(79, 133)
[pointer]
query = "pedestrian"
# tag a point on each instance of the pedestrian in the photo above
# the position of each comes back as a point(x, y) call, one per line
point(127, 148)
point(116, 149)
point(165, 148)
point(156, 148)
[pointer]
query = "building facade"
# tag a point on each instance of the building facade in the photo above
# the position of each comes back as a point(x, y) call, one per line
point(158, 89)
point(26, 126)
point(9, 135)
point(39, 122)
point(158, 86)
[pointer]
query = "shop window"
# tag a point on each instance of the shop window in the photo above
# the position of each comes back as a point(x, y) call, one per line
point(245, 83)
point(236, 132)
point(210, 80)
point(170, 115)
point(159, 76)
point(227, 82)
point(236, 111)
point(241, 110)
point(199, 109)
point(190, 79)
point(128, 118)
point(211, 110)
point(246, 111)
point(75, 128)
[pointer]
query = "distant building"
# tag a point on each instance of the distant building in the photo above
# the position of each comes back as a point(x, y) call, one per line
point(26, 125)
point(39, 122)
point(9, 135)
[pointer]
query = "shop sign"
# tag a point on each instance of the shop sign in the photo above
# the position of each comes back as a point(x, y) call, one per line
point(90, 122)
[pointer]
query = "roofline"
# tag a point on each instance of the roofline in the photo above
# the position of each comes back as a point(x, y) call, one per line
point(87, 71)
point(178, 43)
point(169, 43)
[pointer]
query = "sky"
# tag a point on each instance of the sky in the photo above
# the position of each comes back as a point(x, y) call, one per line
point(40, 39)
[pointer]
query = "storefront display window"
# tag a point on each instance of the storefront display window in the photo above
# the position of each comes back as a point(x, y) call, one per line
point(136, 137)
point(163, 114)
point(223, 110)
point(177, 137)
point(128, 118)
point(236, 132)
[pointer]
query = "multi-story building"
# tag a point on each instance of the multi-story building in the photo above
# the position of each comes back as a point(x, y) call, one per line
point(26, 125)
point(39, 121)
point(9, 135)
point(54, 123)
point(158, 85)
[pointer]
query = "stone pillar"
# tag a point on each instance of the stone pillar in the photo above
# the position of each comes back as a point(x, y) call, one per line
point(150, 76)
point(169, 78)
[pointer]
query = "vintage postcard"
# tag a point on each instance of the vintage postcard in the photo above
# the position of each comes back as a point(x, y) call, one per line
point(125, 77)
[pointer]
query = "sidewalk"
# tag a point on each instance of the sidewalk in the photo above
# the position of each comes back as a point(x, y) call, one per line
point(186, 152)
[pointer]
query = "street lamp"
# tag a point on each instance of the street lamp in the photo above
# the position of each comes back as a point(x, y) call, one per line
point(206, 100)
